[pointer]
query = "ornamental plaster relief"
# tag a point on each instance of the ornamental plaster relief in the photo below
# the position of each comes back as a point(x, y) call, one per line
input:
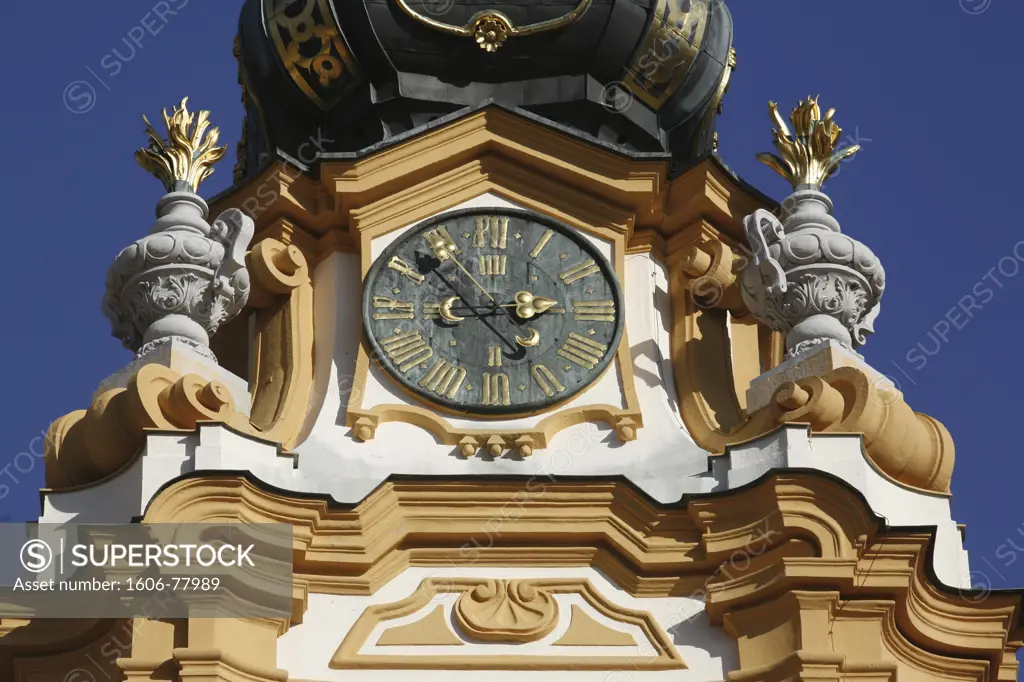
point(447, 624)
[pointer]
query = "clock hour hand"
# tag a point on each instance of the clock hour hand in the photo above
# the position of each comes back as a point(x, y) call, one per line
point(527, 305)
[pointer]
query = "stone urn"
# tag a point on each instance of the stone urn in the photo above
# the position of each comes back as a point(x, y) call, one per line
point(807, 279)
point(181, 281)
point(185, 278)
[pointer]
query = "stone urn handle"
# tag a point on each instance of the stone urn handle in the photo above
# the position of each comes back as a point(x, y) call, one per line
point(234, 230)
point(762, 229)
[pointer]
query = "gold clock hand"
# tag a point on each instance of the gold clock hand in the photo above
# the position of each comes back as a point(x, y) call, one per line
point(527, 305)
point(444, 250)
point(473, 279)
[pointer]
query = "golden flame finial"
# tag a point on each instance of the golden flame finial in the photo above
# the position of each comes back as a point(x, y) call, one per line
point(187, 157)
point(810, 157)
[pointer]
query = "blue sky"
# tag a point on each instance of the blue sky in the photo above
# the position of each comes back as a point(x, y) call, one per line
point(928, 88)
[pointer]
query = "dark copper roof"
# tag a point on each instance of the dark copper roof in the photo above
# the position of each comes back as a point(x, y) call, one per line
point(641, 75)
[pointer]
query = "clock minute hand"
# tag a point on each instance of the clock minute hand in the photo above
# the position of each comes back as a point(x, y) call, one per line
point(444, 250)
point(473, 279)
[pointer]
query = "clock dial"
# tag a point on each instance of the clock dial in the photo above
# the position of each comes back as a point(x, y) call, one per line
point(493, 311)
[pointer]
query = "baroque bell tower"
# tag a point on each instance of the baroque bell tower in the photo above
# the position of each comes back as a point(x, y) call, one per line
point(540, 384)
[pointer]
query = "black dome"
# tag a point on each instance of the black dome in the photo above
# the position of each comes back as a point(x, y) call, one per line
point(640, 75)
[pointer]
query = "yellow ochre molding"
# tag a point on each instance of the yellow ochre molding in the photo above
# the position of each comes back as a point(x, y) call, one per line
point(908, 447)
point(365, 423)
point(491, 143)
point(48, 649)
point(86, 446)
point(282, 367)
point(769, 559)
point(432, 630)
point(585, 631)
point(509, 611)
point(790, 530)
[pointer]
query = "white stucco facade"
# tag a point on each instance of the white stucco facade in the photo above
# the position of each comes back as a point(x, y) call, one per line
point(664, 462)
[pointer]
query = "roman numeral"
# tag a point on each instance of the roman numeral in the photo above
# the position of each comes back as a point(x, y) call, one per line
point(406, 350)
point(491, 265)
point(577, 272)
point(403, 268)
point(432, 311)
point(399, 310)
point(440, 233)
point(492, 231)
point(583, 351)
point(545, 238)
point(494, 356)
point(496, 389)
point(546, 380)
point(593, 311)
point(444, 379)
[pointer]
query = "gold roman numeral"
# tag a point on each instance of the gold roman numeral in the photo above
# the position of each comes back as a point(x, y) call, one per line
point(432, 311)
point(583, 351)
point(496, 389)
point(444, 379)
point(546, 380)
point(441, 233)
point(545, 238)
point(403, 268)
point(493, 266)
point(399, 310)
point(593, 311)
point(492, 231)
point(577, 272)
point(406, 349)
point(494, 356)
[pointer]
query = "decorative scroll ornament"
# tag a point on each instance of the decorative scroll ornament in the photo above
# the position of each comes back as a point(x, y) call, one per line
point(506, 611)
point(807, 159)
point(309, 44)
point(186, 277)
point(806, 279)
point(673, 40)
point(491, 28)
point(187, 157)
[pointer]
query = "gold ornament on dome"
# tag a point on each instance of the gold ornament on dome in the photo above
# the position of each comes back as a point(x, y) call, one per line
point(491, 28)
point(187, 156)
point(809, 157)
point(491, 32)
point(308, 41)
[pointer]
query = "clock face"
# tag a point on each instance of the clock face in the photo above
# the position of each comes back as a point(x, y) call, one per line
point(492, 311)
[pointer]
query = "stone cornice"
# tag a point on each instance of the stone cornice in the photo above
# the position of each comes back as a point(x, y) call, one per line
point(797, 530)
point(794, 565)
